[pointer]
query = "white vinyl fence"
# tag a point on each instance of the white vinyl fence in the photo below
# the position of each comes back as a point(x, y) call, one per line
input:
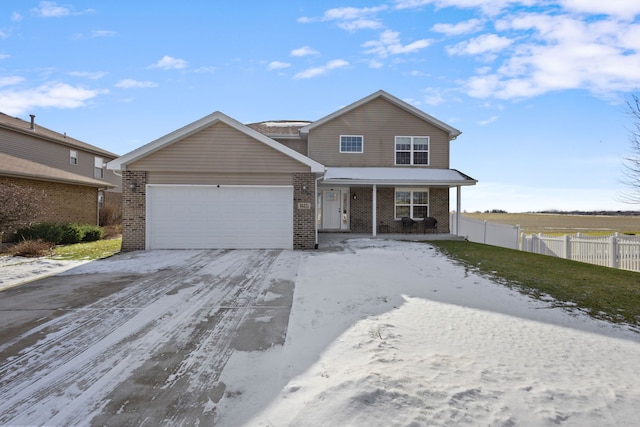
point(490, 233)
point(616, 250)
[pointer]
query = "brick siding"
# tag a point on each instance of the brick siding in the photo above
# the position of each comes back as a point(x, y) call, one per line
point(134, 210)
point(304, 236)
point(385, 212)
point(66, 203)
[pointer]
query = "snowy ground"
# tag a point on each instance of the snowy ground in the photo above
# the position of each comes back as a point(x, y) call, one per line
point(17, 270)
point(391, 333)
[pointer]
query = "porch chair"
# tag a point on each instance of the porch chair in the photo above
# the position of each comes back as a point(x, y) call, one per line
point(408, 224)
point(431, 224)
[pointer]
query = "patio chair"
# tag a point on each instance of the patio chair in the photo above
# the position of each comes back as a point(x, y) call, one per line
point(408, 224)
point(431, 224)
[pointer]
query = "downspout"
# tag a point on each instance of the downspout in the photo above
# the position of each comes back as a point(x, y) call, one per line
point(315, 213)
point(374, 208)
point(458, 197)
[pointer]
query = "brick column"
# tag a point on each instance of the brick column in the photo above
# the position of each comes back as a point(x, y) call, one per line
point(439, 207)
point(134, 210)
point(304, 211)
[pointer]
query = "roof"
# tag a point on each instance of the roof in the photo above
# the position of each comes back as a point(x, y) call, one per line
point(280, 128)
point(396, 176)
point(453, 132)
point(19, 125)
point(26, 169)
point(190, 129)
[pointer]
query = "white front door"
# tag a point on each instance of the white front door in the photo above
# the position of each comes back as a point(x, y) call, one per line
point(331, 212)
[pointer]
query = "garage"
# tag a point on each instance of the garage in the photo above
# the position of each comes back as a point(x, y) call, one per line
point(219, 217)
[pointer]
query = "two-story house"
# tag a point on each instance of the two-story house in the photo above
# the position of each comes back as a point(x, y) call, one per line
point(217, 183)
point(71, 173)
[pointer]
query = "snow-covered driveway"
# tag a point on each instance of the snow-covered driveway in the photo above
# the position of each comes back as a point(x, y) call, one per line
point(380, 333)
point(151, 351)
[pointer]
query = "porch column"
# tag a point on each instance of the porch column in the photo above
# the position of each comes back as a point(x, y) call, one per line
point(374, 209)
point(458, 198)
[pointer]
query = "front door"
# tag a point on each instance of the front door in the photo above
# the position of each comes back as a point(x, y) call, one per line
point(331, 209)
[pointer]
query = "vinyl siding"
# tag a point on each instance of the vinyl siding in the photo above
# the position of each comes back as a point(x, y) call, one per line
point(218, 148)
point(52, 154)
point(296, 144)
point(221, 179)
point(379, 122)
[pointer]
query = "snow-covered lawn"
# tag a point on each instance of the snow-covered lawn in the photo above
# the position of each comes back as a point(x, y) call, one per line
point(392, 334)
point(17, 270)
point(387, 333)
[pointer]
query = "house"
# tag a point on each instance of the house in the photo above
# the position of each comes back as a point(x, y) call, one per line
point(217, 183)
point(72, 173)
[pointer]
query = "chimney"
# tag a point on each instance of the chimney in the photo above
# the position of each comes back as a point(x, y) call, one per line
point(33, 121)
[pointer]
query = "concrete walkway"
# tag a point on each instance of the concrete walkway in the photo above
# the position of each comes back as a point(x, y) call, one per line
point(327, 240)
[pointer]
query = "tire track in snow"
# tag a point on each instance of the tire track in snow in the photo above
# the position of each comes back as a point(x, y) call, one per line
point(67, 355)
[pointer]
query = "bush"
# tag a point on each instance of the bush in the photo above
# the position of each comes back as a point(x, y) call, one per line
point(49, 232)
point(73, 233)
point(92, 233)
point(66, 234)
point(31, 248)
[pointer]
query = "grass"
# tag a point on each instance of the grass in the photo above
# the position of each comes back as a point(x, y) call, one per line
point(564, 224)
point(88, 251)
point(604, 293)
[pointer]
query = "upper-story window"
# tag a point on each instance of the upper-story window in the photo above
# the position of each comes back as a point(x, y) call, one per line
point(412, 150)
point(98, 168)
point(351, 144)
point(73, 157)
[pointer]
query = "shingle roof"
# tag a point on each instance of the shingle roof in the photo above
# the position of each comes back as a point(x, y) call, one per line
point(21, 168)
point(279, 128)
point(22, 126)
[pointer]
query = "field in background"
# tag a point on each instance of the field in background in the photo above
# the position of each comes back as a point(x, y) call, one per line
point(564, 224)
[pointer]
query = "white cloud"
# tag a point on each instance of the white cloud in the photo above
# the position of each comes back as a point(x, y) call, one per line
point(304, 51)
point(55, 95)
point(351, 18)
point(102, 33)
point(93, 75)
point(621, 8)
point(486, 43)
point(318, 71)
point(16, 17)
point(170, 63)
point(10, 81)
point(464, 27)
point(488, 121)
point(4, 56)
point(389, 44)
point(50, 9)
point(489, 7)
point(277, 65)
point(131, 83)
point(3, 35)
point(433, 96)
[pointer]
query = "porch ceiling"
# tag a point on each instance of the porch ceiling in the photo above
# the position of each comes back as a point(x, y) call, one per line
point(396, 176)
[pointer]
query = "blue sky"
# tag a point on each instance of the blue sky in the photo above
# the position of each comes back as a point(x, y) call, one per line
point(538, 88)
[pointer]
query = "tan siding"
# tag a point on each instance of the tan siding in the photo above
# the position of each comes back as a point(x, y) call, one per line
point(296, 144)
point(222, 179)
point(379, 121)
point(218, 148)
point(52, 154)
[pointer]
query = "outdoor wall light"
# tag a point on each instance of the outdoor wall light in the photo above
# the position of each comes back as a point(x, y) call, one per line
point(354, 196)
point(133, 185)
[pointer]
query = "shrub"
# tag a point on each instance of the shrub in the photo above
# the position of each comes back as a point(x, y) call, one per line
point(31, 248)
point(72, 233)
point(49, 232)
point(92, 233)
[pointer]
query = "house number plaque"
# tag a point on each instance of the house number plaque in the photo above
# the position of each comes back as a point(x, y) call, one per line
point(304, 205)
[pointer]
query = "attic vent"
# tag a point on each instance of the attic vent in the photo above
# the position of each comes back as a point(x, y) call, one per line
point(33, 122)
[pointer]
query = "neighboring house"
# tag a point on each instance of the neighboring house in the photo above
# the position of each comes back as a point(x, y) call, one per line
point(72, 173)
point(217, 183)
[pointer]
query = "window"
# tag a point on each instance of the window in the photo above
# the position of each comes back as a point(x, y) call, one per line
point(351, 143)
point(413, 203)
point(73, 157)
point(412, 150)
point(98, 168)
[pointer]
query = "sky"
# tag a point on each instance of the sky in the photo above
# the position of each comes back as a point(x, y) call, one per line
point(538, 88)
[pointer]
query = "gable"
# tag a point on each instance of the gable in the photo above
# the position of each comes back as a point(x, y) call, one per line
point(379, 121)
point(219, 148)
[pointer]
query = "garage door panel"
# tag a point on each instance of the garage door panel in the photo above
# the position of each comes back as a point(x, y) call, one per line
point(201, 217)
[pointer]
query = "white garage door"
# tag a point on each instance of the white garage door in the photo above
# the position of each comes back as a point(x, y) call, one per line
point(225, 217)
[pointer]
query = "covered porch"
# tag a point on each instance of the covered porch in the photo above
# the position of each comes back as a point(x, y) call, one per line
point(373, 200)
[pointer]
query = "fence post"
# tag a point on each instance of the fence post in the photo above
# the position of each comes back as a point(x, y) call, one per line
point(567, 246)
point(484, 232)
point(613, 251)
